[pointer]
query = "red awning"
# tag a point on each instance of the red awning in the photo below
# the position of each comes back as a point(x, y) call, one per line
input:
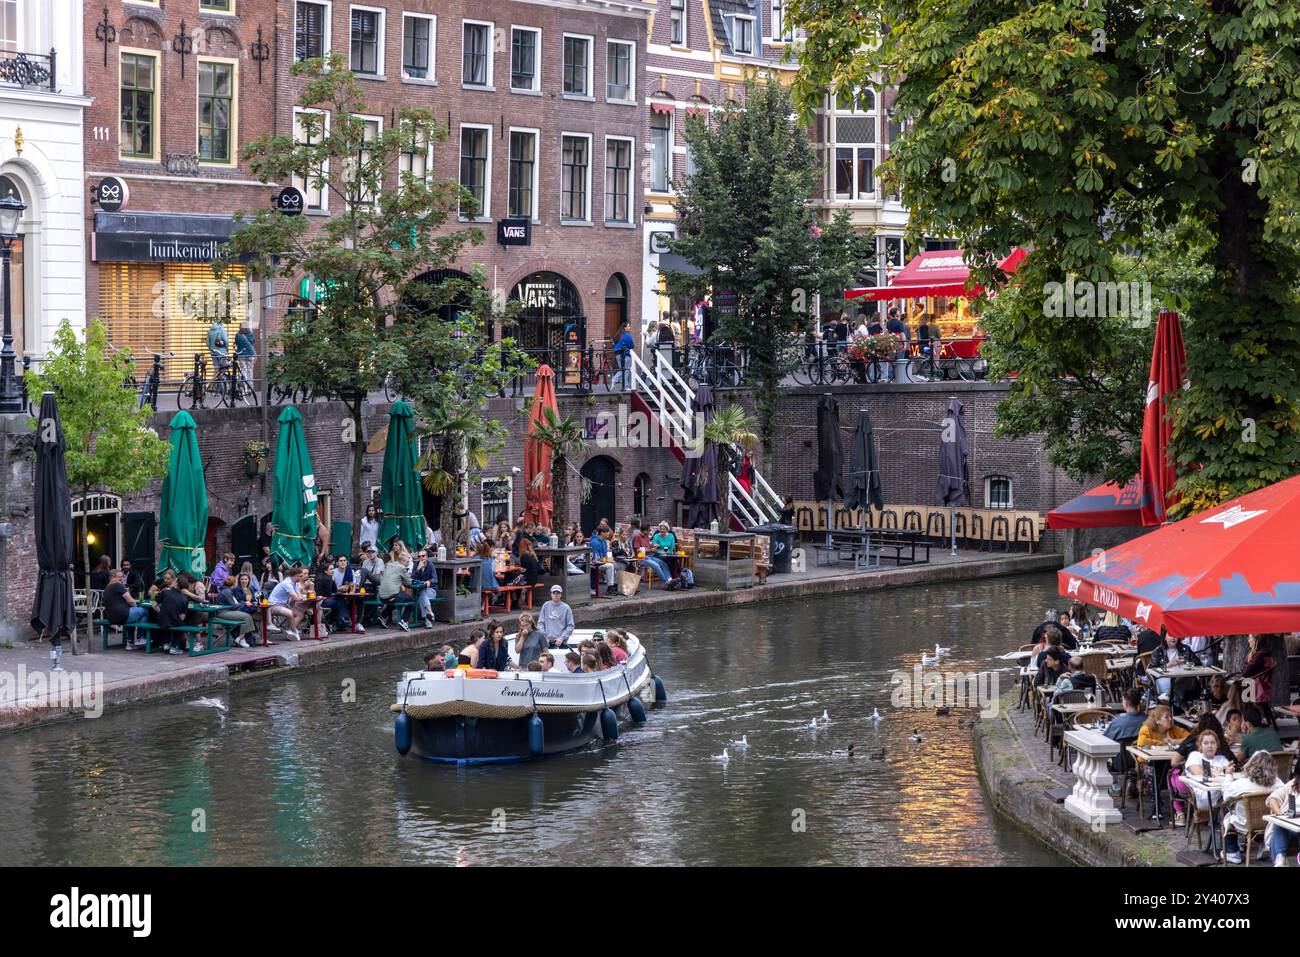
point(937, 272)
point(663, 106)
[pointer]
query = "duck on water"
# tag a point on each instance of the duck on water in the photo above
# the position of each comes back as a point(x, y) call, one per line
point(481, 716)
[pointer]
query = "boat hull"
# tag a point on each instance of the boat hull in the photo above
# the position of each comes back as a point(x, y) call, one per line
point(463, 740)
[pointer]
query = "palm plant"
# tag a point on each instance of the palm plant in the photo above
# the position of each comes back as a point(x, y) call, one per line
point(565, 438)
point(458, 448)
point(730, 430)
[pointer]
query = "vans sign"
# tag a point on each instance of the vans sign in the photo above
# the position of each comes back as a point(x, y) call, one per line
point(514, 232)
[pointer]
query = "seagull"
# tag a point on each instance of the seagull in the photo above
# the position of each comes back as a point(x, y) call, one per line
point(915, 736)
point(928, 659)
point(742, 744)
point(209, 703)
point(875, 714)
point(722, 758)
point(814, 724)
point(825, 718)
point(940, 651)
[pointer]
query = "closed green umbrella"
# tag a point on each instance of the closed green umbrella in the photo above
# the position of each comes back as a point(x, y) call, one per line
point(399, 491)
point(183, 519)
point(294, 512)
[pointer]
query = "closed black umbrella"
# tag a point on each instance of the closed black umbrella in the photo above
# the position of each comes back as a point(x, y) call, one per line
point(827, 484)
point(954, 464)
point(53, 612)
point(700, 473)
point(865, 488)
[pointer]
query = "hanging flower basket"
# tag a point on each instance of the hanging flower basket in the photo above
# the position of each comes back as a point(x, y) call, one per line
point(879, 348)
point(255, 454)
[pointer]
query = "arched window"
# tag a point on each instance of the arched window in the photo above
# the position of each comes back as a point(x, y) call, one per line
point(641, 495)
point(998, 492)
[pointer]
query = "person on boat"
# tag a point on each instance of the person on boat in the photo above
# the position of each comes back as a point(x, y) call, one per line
point(433, 661)
point(573, 662)
point(586, 647)
point(590, 664)
point(546, 660)
point(616, 638)
point(470, 651)
point(529, 642)
point(605, 656)
point(556, 619)
point(493, 652)
point(449, 657)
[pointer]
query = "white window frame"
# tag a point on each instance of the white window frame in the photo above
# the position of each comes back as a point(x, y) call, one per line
point(491, 56)
point(510, 496)
point(326, 36)
point(432, 18)
point(537, 59)
point(591, 66)
point(566, 221)
point(428, 161)
point(484, 214)
point(382, 41)
point(379, 132)
point(782, 28)
point(1011, 493)
point(630, 99)
point(684, 21)
point(672, 136)
point(534, 214)
point(631, 181)
point(325, 168)
point(736, 20)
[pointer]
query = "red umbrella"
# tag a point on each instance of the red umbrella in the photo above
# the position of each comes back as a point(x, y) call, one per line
point(1144, 498)
point(1229, 571)
point(537, 455)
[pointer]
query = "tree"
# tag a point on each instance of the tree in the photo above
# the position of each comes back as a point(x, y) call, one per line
point(371, 320)
point(1079, 128)
point(566, 439)
point(110, 445)
point(729, 429)
point(747, 221)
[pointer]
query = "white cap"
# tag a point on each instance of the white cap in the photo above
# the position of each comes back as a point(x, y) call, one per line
point(557, 590)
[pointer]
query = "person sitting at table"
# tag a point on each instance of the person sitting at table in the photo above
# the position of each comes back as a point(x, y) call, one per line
point(642, 543)
point(338, 607)
point(223, 570)
point(1076, 679)
point(247, 569)
point(344, 575)
point(1281, 840)
point(1052, 665)
point(493, 651)
point(546, 660)
point(1178, 763)
point(121, 608)
point(164, 581)
point(393, 585)
point(573, 662)
point(1234, 702)
point(269, 577)
point(423, 574)
point(238, 604)
point(399, 553)
point(195, 591)
point(1259, 669)
point(529, 641)
point(286, 601)
point(620, 546)
point(600, 550)
point(1111, 630)
point(1159, 729)
point(1148, 640)
point(664, 540)
point(1258, 774)
point(99, 577)
point(1127, 725)
point(1045, 639)
point(173, 611)
point(532, 568)
point(503, 537)
point(1232, 729)
point(372, 568)
point(1173, 652)
point(1216, 692)
point(487, 568)
point(132, 578)
point(1256, 735)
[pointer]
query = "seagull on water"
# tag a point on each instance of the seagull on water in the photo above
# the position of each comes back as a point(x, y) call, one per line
point(742, 744)
point(928, 659)
point(825, 718)
point(940, 651)
point(209, 703)
point(875, 714)
point(723, 758)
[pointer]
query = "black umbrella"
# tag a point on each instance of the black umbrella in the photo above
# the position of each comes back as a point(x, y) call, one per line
point(52, 610)
point(954, 464)
point(700, 473)
point(827, 484)
point(865, 488)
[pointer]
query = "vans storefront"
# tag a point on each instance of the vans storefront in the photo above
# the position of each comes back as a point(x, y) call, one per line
point(156, 288)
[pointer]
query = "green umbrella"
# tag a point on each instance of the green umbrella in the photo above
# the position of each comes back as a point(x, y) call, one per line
point(183, 517)
point(399, 491)
point(294, 513)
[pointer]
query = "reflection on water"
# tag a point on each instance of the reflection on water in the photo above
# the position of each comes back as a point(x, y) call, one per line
point(294, 773)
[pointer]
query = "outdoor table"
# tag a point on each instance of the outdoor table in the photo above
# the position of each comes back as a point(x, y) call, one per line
point(1064, 709)
point(1155, 754)
point(455, 607)
point(724, 571)
point(1213, 791)
point(315, 621)
point(1278, 820)
point(356, 606)
point(555, 571)
point(1201, 671)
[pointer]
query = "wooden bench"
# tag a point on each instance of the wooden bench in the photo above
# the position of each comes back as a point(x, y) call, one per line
point(525, 593)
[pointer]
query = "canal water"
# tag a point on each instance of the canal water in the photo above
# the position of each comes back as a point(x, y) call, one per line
point(294, 773)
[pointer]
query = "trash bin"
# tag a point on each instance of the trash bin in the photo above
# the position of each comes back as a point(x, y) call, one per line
point(782, 539)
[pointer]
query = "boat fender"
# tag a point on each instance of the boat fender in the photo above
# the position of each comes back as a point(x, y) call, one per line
point(473, 673)
point(402, 732)
point(536, 736)
point(609, 724)
point(660, 694)
point(637, 709)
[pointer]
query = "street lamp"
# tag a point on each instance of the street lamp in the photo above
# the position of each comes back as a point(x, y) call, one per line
point(11, 209)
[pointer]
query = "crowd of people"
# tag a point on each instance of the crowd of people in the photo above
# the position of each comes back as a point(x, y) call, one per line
point(540, 644)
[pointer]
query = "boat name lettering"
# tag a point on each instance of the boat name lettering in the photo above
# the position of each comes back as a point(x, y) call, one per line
point(534, 692)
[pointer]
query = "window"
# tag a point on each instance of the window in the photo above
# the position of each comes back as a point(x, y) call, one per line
point(525, 44)
point(413, 160)
point(216, 111)
point(618, 180)
point(311, 30)
point(418, 34)
point(9, 34)
point(856, 144)
point(520, 202)
point(139, 108)
point(889, 258)
point(577, 66)
point(496, 499)
point(742, 35)
point(575, 159)
point(476, 54)
point(661, 151)
point(640, 495)
point(678, 16)
point(309, 127)
point(367, 41)
point(619, 64)
point(782, 26)
point(357, 174)
point(217, 6)
point(475, 144)
point(997, 492)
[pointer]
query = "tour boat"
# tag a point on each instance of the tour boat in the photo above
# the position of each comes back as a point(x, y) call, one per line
point(475, 716)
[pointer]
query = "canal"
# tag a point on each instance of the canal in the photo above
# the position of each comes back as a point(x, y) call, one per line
point(301, 770)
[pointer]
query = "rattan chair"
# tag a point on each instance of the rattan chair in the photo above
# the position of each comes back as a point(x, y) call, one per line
point(1284, 760)
point(1256, 807)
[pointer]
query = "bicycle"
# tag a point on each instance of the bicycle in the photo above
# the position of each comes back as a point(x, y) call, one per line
point(231, 387)
point(149, 388)
point(193, 388)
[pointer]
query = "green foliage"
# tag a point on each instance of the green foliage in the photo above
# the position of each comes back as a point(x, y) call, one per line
point(567, 439)
point(1081, 129)
point(110, 443)
point(746, 221)
point(731, 427)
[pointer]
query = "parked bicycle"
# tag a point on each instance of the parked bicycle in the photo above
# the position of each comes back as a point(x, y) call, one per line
point(149, 387)
point(941, 362)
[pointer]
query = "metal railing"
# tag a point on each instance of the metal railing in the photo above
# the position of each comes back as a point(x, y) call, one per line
point(28, 69)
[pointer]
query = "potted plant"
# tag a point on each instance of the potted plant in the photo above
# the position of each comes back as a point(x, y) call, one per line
point(255, 455)
point(882, 348)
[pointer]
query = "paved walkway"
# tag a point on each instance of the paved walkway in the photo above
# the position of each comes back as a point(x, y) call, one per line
point(28, 698)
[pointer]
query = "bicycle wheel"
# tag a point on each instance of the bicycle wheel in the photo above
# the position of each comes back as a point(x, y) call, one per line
point(190, 393)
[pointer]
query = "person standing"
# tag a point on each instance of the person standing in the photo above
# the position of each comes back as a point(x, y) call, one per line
point(245, 352)
point(218, 347)
point(370, 526)
point(556, 619)
point(623, 346)
point(529, 641)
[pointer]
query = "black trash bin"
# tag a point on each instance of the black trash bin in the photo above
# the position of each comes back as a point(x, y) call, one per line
point(782, 539)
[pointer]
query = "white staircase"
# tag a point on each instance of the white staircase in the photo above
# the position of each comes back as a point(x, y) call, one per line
point(668, 397)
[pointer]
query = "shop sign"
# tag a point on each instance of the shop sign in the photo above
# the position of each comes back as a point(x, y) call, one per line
point(514, 232)
point(111, 194)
